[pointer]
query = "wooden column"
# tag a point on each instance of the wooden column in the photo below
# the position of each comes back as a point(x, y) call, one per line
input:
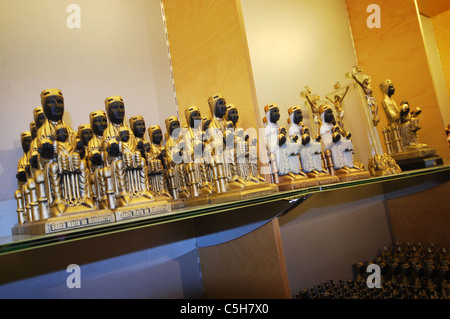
point(209, 53)
point(396, 51)
point(249, 267)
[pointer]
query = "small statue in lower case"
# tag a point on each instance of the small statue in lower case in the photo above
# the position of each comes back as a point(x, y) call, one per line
point(156, 161)
point(61, 164)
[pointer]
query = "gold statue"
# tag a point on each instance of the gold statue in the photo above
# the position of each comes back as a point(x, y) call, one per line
point(194, 142)
point(401, 134)
point(175, 159)
point(125, 163)
point(64, 169)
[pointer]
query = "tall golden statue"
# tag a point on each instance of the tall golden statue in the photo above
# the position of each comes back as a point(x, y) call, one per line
point(194, 142)
point(126, 165)
point(175, 157)
point(401, 134)
point(61, 156)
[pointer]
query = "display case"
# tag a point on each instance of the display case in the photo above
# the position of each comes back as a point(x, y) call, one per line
point(179, 55)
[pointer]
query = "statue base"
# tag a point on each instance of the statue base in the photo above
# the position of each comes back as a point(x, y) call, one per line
point(351, 175)
point(323, 178)
point(257, 190)
point(65, 222)
point(143, 209)
point(417, 159)
point(297, 182)
point(174, 203)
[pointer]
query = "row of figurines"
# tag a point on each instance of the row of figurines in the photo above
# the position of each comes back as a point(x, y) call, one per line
point(108, 164)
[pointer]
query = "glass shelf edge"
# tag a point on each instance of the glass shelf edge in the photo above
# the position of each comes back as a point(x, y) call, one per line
point(26, 242)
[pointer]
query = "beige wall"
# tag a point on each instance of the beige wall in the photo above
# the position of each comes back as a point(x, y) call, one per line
point(120, 49)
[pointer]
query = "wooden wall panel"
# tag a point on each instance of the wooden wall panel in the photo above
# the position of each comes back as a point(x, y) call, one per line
point(441, 27)
point(209, 55)
point(251, 266)
point(423, 217)
point(397, 51)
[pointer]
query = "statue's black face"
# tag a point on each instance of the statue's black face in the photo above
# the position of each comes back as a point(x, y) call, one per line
point(391, 89)
point(157, 136)
point(40, 119)
point(274, 115)
point(233, 116)
point(173, 126)
point(221, 108)
point(195, 119)
point(86, 135)
point(62, 135)
point(99, 124)
point(116, 112)
point(26, 143)
point(54, 108)
point(298, 116)
point(124, 136)
point(139, 128)
point(329, 117)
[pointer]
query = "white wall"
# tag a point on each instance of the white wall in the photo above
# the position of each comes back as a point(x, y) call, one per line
point(120, 49)
point(298, 43)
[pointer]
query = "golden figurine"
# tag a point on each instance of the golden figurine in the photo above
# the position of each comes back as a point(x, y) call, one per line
point(222, 142)
point(401, 134)
point(126, 164)
point(65, 175)
point(157, 167)
point(194, 142)
point(283, 156)
point(175, 159)
point(103, 190)
point(27, 209)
